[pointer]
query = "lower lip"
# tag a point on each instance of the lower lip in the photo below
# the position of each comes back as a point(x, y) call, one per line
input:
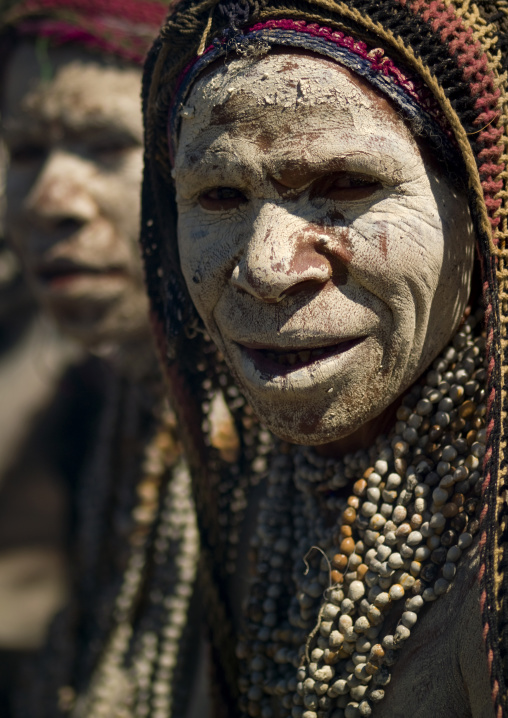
point(271, 369)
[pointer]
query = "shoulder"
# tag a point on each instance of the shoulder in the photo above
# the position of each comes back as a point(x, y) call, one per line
point(442, 670)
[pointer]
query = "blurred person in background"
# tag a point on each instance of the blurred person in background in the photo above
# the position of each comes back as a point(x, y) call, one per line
point(71, 122)
point(32, 565)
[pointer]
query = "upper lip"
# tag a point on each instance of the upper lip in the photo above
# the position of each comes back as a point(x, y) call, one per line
point(317, 344)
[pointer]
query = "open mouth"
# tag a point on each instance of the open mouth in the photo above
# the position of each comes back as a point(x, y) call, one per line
point(281, 361)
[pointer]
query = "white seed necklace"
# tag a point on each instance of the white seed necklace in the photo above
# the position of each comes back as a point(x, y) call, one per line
point(315, 642)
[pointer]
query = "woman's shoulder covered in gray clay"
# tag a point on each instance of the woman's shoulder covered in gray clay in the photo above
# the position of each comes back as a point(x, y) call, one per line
point(442, 671)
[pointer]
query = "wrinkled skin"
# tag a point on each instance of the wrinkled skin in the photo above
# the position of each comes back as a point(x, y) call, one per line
point(75, 144)
point(310, 220)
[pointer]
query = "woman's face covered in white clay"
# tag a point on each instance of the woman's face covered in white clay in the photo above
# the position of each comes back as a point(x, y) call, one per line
point(73, 188)
point(329, 262)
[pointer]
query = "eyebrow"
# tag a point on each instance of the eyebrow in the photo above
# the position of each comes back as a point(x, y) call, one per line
point(17, 130)
point(308, 169)
point(195, 161)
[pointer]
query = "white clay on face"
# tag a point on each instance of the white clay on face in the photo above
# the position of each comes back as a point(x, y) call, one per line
point(73, 189)
point(328, 261)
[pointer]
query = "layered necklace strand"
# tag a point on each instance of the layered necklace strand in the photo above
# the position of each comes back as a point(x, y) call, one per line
point(330, 567)
point(136, 674)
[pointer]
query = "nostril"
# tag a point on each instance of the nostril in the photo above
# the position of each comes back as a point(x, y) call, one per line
point(67, 225)
point(308, 286)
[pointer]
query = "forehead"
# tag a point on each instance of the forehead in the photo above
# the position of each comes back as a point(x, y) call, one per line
point(282, 95)
point(69, 85)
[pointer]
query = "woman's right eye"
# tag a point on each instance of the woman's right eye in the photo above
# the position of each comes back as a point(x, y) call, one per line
point(221, 198)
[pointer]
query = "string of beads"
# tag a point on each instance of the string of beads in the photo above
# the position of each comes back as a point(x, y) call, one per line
point(316, 640)
point(136, 676)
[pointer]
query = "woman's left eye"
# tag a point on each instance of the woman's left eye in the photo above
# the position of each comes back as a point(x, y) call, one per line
point(221, 198)
point(112, 150)
point(348, 187)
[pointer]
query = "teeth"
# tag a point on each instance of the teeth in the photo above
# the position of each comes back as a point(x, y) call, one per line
point(292, 358)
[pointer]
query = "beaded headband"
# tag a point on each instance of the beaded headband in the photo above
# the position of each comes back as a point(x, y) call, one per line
point(406, 91)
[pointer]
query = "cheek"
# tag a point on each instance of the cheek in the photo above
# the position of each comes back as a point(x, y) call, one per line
point(207, 257)
point(116, 189)
point(397, 254)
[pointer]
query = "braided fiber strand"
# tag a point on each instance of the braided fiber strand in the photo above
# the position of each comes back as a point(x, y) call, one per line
point(494, 539)
point(458, 49)
point(495, 532)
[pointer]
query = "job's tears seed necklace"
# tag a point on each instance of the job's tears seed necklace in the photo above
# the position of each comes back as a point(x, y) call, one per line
point(315, 639)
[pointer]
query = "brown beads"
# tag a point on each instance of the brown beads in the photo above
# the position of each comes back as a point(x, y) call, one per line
point(339, 562)
point(360, 487)
point(435, 433)
point(347, 546)
point(349, 515)
point(337, 577)
point(458, 499)
point(458, 424)
point(467, 409)
point(361, 571)
point(377, 652)
point(459, 522)
point(471, 437)
point(450, 510)
point(471, 506)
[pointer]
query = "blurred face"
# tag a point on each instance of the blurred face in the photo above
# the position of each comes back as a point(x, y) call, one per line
point(73, 188)
point(329, 262)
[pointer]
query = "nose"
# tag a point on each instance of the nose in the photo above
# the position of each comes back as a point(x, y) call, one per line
point(281, 256)
point(60, 199)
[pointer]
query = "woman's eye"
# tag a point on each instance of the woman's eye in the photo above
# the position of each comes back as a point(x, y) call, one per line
point(348, 187)
point(113, 150)
point(27, 154)
point(221, 198)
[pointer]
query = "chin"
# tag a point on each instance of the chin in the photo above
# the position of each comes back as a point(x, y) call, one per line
point(82, 322)
point(102, 321)
point(302, 423)
point(327, 402)
point(87, 334)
